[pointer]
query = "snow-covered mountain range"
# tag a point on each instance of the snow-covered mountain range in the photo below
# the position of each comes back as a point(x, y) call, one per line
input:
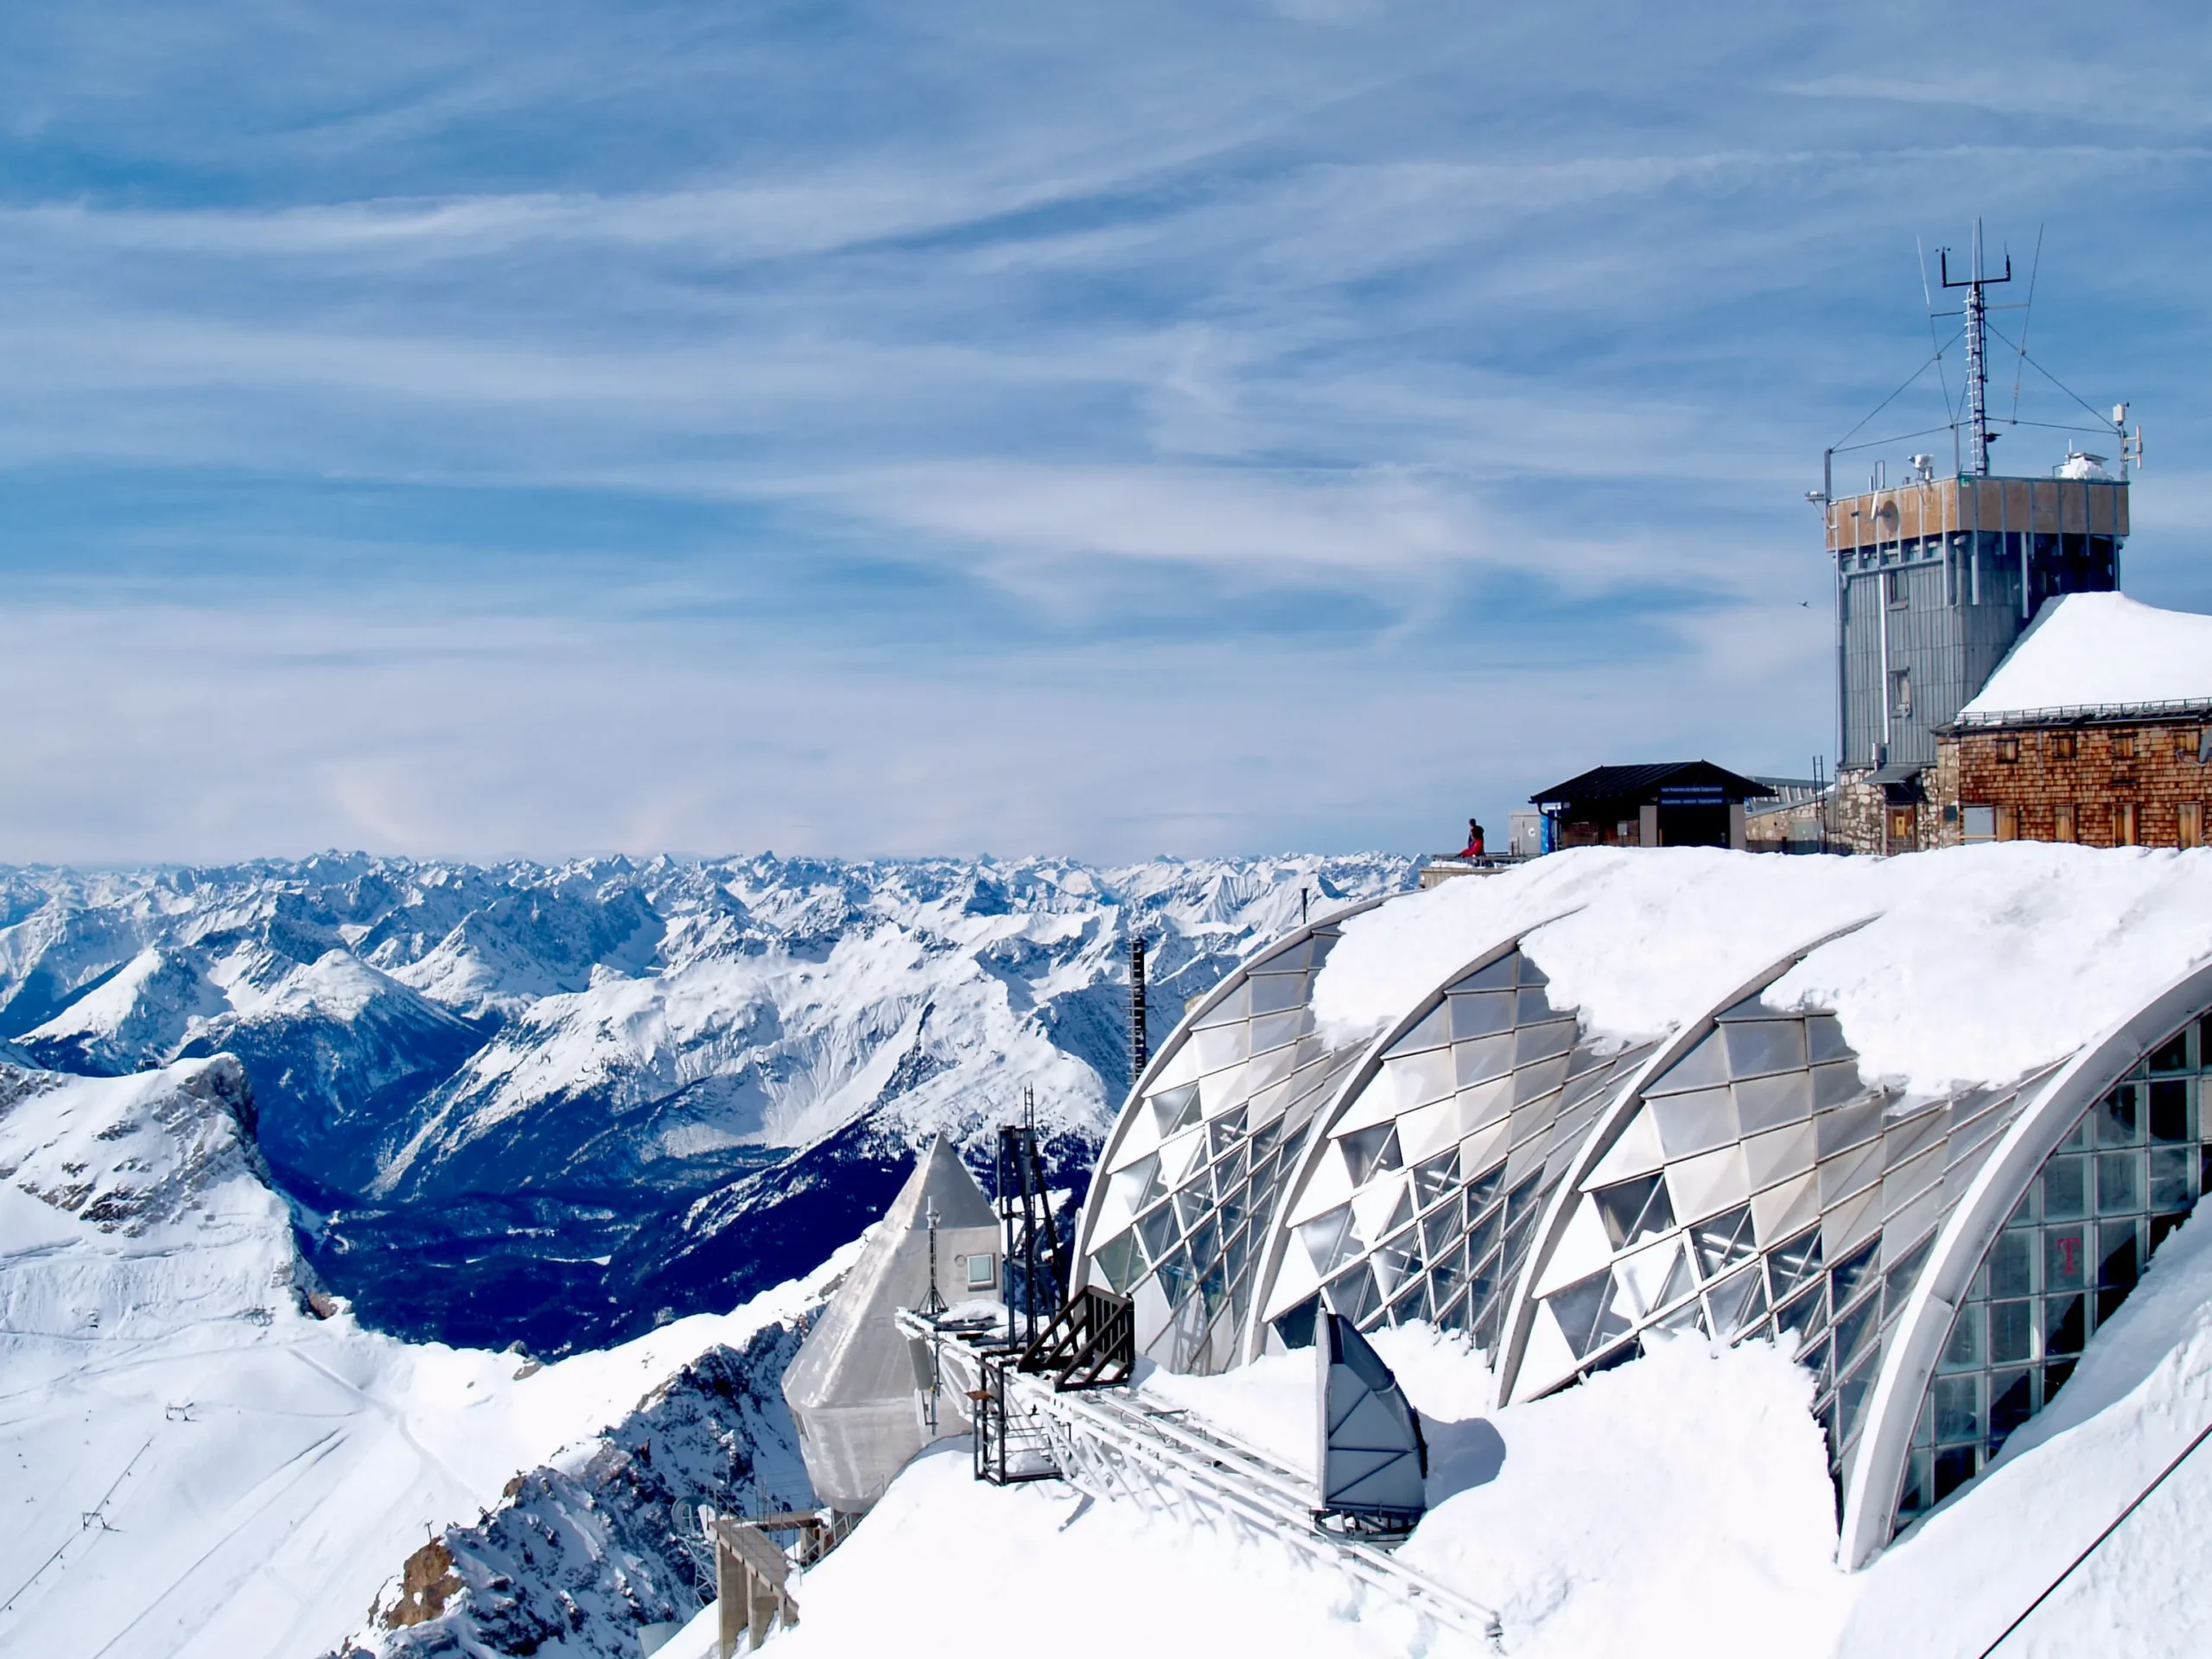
point(206, 1455)
point(555, 1103)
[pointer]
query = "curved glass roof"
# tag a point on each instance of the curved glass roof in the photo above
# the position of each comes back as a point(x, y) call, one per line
point(2123, 1177)
point(1758, 1187)
point(1188, 1187)
point(1487, 1166)
point(1418, 1201)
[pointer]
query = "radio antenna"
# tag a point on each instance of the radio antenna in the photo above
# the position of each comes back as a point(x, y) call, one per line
point(2020, 367)
point(1977, 398)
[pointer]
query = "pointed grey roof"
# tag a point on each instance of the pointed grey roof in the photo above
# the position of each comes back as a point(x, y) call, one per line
point(851, 1386)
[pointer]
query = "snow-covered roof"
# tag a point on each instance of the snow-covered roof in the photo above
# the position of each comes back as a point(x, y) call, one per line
point(1616, 1094)
point(2100, 652)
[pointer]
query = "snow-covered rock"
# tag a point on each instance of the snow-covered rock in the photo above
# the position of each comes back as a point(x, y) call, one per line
point(197, 1465)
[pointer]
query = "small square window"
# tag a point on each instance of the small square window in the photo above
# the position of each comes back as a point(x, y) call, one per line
point(982, 1271)
point(2185, 741)
point(1978, 823)
point(2008, 749)
point(2123, 745)
point(2061, 748)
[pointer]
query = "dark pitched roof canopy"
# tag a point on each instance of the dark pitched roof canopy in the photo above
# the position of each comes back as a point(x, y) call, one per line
point(1661, 780)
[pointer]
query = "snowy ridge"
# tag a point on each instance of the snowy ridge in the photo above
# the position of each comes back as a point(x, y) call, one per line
point(526, 1078)
point(251, 1473)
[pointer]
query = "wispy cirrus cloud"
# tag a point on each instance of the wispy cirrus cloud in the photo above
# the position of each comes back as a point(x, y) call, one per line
point(888, 393)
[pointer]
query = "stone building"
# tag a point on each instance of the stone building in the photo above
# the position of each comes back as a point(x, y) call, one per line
point(2097, 728)
point(1936, 579)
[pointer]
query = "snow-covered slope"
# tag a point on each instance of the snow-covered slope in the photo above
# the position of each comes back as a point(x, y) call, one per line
point(536, 1086)
point(195, 1464)
point(1676, 1506)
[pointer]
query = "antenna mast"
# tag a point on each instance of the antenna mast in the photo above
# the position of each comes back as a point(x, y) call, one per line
point(1979, 434)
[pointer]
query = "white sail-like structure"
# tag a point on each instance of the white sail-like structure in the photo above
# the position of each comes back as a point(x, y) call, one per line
point(852, 1388)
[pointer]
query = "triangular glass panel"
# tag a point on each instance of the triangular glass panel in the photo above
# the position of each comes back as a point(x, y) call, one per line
point(1731, 1301)
point(1678, 1282)
point(1175, 1108)
point(1354, 1295)
point(1329, 1239)
point(1368, 1151)
point(1402, 1213)
point(1634, 1211)
point(1440, 1228)
point(1793, 1259)
point(1483, 1187)
point(1119, 1262)
point(1723, 1240)
point(1437, 1176)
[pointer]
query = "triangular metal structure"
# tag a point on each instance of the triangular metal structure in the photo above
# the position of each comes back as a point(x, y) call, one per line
point(1374, 1464)
point(852, 1387)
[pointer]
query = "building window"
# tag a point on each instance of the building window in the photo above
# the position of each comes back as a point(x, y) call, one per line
point(982, 1270)
point(2189, 824)
point(2125, 1177)
point(2123, 745)
point(2185, 741)
point(2008, 748)
point(2061, 822)
point(1901, 690)
point(1978, 823)
point(1893, 589)
point(2062, 746)
point(2123, 823)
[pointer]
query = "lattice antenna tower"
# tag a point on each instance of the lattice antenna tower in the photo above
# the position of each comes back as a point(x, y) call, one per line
point(1977, 331)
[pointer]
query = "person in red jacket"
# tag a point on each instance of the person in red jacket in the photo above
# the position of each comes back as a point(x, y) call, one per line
point(1474, 847)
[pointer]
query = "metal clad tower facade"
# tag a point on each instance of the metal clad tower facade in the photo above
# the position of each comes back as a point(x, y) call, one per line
point(1936, 578)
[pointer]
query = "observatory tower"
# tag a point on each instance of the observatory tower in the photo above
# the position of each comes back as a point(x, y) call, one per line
point(1937, 576)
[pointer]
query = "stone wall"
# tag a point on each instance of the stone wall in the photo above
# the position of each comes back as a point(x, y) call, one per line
point(2039, 775)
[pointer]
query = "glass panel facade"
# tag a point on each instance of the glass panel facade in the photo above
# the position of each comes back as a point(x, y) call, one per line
point(1190, 1204)
point(1761, 1189)
point(1433, 1213)
point(2125, 1176)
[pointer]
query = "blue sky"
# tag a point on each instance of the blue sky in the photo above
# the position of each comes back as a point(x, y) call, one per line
point(1106, 430)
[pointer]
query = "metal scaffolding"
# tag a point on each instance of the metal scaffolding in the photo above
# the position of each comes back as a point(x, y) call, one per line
point(1107, 1441)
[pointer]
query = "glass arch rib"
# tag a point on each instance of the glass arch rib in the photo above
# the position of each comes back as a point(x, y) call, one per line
point(1760, 1188)
point(1187, 1196)
point(2129, 1171)
point(1423, 1203)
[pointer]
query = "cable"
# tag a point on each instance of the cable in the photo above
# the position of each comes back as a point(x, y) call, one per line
point(2202, 1434)
point(2053, 379)
point(1901, 391)
point(1900, 437)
